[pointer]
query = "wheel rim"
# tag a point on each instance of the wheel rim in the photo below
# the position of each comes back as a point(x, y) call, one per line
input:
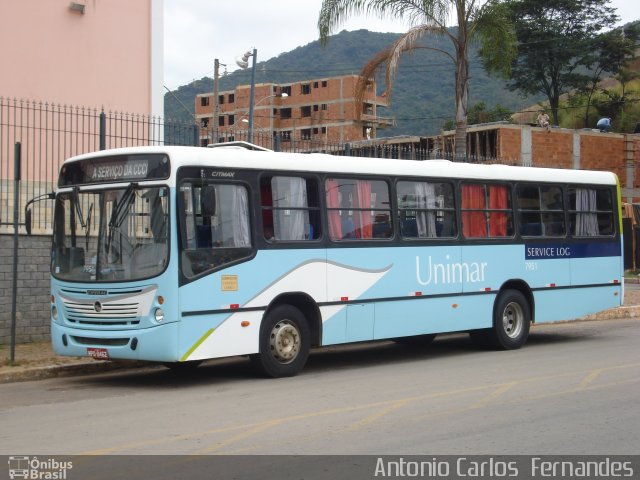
point(512, 320)
point(285, 341)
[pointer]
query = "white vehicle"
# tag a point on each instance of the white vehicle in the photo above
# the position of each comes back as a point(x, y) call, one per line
point(182, 254)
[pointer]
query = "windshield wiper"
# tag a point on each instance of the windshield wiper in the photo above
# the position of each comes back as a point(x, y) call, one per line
point(88, 227)
point(121, 209)
point(120, 212)
point(76, 201)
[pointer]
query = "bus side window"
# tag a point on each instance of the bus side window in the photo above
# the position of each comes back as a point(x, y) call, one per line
point(290, 208)
point(486, 210)
point(425, 209)
point(591, 212)
point(358, 209)
point(540, 211)
point(216, 228)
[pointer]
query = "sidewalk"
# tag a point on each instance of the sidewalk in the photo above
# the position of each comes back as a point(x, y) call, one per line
point(35, 361)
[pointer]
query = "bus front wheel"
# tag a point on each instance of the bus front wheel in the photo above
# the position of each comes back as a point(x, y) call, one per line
point(511, 321)
point(284, 342)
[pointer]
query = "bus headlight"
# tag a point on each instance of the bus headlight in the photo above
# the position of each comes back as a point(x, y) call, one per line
point(159, 315)
point(54, 313)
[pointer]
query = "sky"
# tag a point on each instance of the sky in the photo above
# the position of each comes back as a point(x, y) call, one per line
point(196, 32)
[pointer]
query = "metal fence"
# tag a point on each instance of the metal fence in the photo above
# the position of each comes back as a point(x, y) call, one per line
point(50, 133)
point(414, 149)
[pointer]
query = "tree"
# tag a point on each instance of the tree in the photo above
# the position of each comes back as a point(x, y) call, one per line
point(478, 113)
point(484, 21)
point(625, 76)
point(612, 52)
point(556, 40)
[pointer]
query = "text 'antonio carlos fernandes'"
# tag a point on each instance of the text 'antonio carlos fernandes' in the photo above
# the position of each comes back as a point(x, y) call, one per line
point(506, 467)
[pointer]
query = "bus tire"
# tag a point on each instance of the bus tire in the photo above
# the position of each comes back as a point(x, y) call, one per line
point(511, 321)
point(284, 342)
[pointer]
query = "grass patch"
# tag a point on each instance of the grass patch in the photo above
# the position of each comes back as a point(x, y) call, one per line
point(632, 274)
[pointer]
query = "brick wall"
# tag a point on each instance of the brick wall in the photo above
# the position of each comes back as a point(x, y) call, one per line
point(603, 152)
point(566, 148)
point(509, 145)
point(32, 310)
point(552, 148)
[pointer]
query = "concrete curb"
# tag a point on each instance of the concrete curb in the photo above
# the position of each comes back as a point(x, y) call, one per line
point(632, 311)
point(69, 370)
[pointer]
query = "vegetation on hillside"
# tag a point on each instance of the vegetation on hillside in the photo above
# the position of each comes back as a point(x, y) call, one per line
point(556, 44)
point(622, 108)
point(423, 97)
point(477, 21)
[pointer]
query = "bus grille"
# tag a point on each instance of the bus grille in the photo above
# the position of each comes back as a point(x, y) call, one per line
point(110, 314)
point(124, 310)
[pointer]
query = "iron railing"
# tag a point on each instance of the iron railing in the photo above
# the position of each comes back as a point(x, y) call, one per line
point(50, 133)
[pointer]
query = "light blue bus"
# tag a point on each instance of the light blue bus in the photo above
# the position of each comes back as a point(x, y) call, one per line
point(181, 254)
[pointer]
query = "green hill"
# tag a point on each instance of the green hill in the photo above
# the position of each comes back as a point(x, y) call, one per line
point(422, 98)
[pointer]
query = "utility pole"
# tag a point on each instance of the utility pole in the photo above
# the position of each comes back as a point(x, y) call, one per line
point(216, 104)
point(252, 95)
point(17, 176)
point(244, 64)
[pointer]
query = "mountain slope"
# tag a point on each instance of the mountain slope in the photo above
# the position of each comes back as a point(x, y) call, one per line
point(422, 97)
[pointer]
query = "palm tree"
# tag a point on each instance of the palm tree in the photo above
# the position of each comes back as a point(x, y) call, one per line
point(484, 20)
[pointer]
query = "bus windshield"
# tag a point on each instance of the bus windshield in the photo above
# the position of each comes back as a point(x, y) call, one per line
point(111, 235)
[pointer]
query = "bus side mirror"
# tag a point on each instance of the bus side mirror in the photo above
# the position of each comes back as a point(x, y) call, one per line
point(28, 218)
point(27, 221)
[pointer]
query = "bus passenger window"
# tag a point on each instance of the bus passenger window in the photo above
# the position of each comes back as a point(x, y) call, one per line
point(426, 210)
point(290, 208)
point(591, 212)
point(540, 211)
point(358, 209)
point(214, 226)
point(486, 211)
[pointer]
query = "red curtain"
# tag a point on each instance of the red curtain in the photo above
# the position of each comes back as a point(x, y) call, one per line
point(333, 202)
point(498, 200)
point(362, 199)
point(474, 224)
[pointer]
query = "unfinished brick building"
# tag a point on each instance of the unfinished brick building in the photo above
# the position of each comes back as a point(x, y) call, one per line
point(316, 112)
point(526, 145)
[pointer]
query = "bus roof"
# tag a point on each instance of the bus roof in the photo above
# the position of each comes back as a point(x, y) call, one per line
point(238, 156)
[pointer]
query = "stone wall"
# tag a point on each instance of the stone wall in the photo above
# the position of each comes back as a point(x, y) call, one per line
point(33, 293)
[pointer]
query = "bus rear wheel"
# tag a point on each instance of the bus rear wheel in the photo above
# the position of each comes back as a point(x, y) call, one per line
point(511, 321)
point(284, 342)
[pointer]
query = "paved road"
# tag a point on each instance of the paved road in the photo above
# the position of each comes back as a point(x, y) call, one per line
point(574, 389)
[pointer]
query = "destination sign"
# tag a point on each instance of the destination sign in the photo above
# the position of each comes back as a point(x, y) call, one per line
point(133, 169)
point(572, 250)
point(117, 168)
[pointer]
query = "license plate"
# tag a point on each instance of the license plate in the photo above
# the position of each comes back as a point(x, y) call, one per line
point(98, 353)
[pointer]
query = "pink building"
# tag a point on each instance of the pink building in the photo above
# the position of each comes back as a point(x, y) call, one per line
point(94, 53)
point(63, 62)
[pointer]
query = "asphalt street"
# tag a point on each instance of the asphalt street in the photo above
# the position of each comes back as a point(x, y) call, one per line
point(573, 389)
